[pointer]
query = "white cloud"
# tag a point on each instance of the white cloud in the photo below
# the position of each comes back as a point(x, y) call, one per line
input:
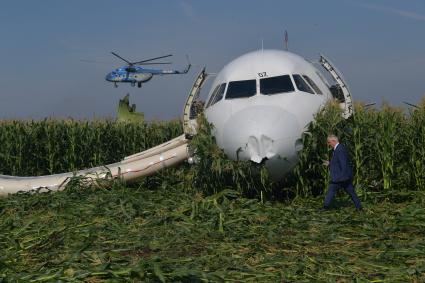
point(402, 13)
point(188, 9)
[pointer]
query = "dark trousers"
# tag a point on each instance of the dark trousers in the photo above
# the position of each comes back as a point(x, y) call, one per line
point(348, 187)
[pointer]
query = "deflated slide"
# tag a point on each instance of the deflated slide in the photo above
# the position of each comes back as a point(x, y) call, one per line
point(132, 167)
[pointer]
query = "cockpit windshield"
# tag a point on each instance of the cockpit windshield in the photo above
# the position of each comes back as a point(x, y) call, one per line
point(275, 85)
point(241, 89)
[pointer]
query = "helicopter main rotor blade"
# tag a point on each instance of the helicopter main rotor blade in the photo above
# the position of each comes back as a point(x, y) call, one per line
point(94, 61)
point(410, 104)
point(115, 54)
point(147, 60)
point(165, 63)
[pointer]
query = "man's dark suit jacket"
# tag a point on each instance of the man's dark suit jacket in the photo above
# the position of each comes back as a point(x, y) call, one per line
point(340, 167)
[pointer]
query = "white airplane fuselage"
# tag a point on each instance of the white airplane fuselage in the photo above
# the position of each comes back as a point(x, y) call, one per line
point(265, 124)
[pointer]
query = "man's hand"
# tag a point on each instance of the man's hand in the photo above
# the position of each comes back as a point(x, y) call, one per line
point(325, 162)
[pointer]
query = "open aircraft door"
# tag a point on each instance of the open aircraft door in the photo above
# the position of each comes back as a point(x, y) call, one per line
point(340, 91)
point(192, 106)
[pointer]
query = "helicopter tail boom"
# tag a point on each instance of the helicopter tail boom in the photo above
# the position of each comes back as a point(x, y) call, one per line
point(186, 69)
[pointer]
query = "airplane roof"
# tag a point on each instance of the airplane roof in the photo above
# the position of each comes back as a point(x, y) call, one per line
point(274, 62)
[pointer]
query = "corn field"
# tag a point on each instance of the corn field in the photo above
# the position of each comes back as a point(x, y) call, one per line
point(387, 148)
point(387, 151)
point(217, 220)
point(32, 148)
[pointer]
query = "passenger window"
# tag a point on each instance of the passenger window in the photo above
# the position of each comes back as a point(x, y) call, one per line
point(312, 84)
point(275, 85)
point(302, 85)
point(219, 94)
point(240, 89)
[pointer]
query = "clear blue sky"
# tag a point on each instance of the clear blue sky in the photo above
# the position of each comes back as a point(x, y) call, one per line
point(378, 45)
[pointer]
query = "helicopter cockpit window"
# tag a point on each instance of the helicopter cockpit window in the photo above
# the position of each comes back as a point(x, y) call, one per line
point(312, 84)
point(302, 85)
point(275, 85)
point(241, 89)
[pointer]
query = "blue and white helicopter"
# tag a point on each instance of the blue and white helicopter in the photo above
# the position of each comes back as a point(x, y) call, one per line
point(134, 74)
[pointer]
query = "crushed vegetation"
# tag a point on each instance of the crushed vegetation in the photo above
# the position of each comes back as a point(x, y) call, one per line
point(171, 234)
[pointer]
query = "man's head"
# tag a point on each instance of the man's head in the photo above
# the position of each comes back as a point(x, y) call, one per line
point(332, 140)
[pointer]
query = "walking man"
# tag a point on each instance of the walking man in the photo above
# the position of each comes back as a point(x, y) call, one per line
point(341, 173)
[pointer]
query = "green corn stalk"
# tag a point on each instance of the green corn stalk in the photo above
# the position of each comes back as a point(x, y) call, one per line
point(71, 145)
point(387, 130)
point(312, 177)
point(362, 137)
point(416, 147)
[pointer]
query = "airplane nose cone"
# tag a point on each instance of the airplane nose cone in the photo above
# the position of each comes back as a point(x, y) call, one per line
point(263, 134)
point(108, 77)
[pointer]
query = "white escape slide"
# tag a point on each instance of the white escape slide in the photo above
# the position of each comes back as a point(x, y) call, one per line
point(132, 167)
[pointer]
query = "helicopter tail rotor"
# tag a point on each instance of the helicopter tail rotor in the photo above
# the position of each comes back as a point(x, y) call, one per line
point(186, 70)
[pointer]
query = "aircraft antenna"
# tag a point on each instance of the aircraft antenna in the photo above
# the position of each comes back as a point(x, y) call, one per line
point(286, 40)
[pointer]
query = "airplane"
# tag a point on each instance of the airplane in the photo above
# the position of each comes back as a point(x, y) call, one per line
point(261, 104)
point(135, 74)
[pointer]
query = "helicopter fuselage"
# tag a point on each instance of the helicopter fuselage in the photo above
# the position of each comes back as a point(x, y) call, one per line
point(138, 75)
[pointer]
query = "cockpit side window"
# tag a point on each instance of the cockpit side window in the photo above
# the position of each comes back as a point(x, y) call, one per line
point(219, 94)
point(312, 84)
point(275, 85)
point(322, 79)
point(214, 93)
point(241, 89)
point(302, 85)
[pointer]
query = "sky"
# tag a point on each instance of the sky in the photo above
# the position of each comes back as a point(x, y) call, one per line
point(378, 45)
